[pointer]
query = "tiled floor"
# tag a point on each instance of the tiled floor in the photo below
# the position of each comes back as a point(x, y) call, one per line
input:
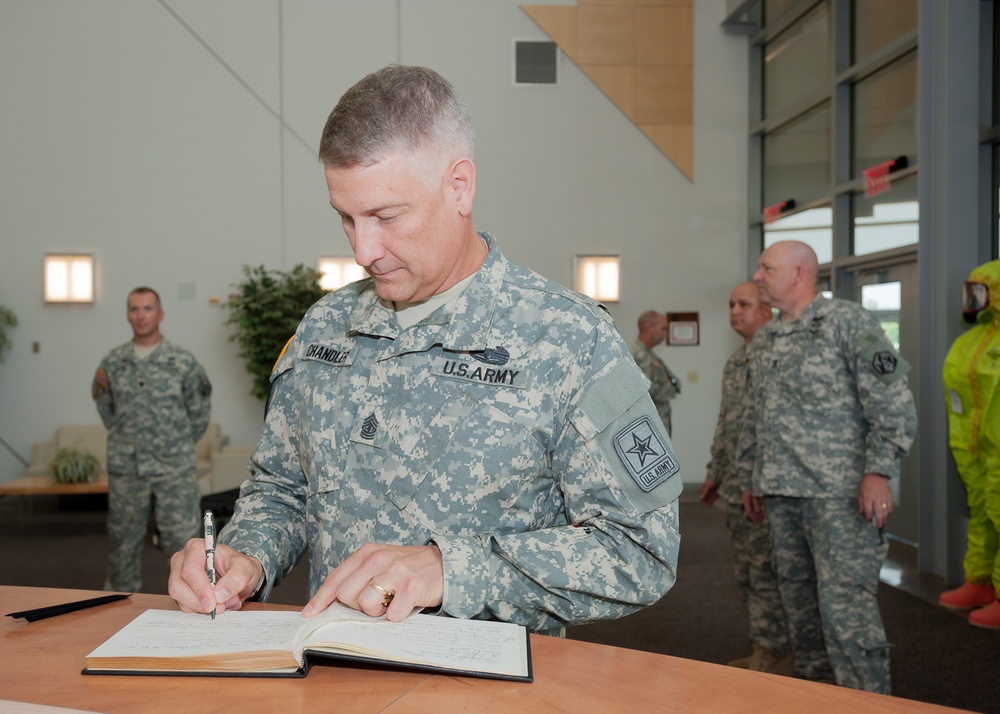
point(900, 570)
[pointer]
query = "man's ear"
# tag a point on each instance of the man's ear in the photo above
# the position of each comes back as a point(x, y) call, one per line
point(800, 273)
point(463, 185)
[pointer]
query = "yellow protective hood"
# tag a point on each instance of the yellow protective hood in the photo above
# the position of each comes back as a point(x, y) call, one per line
point(989, 275)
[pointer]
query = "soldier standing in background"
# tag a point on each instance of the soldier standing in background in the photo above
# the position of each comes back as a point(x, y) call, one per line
point(664, 385)
point(155, 400)
point(829, 416)
point(751, 540)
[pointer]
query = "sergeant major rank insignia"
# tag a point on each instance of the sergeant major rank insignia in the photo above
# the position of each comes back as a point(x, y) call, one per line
point(369, 427)
point(646, 456)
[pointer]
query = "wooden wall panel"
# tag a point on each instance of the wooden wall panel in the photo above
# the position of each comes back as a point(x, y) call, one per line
point(640, 54)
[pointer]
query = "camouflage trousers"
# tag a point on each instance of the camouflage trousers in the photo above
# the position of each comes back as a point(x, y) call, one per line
point(756, 579)
point(178, 501)
point(828, 558)
point(982, 489)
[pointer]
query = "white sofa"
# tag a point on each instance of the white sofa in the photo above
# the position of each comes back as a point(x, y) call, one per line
point(94, 438)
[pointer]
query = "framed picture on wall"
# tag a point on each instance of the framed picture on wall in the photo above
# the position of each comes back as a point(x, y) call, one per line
point(682, 328)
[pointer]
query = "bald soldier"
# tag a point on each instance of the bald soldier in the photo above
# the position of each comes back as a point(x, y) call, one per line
point(829, 416)
point(453, 432)
point(750, 539)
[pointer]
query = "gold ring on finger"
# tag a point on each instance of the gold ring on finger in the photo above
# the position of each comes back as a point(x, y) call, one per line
point(387, 595)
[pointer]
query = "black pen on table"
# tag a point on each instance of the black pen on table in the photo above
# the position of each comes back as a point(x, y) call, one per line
point(210, 549)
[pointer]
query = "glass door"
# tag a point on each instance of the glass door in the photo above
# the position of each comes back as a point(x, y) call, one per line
point(890, 293)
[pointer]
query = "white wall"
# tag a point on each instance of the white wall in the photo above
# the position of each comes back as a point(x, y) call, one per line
point(150, 134)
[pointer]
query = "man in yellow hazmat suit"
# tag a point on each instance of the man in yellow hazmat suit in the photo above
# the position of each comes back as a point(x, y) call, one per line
point(972, 388)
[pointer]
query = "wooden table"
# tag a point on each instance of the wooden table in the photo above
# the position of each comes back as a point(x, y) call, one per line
point(28, 486)
point(47, 486)
point(40, 662)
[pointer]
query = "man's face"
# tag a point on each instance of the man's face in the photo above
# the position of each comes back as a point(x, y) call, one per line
point(144, 314)
point(746, 312)
point(775, 276)
point(404, 228)
point(660, 330)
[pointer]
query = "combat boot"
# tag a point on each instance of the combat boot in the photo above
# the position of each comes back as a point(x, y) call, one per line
point(968, 596)
point(764, 660)
point(988, 617)
point(742, 662)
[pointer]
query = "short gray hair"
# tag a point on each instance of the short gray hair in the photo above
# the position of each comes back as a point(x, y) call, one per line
point(395, 109)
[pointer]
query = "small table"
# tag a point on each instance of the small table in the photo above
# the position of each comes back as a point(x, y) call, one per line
point(45, 485)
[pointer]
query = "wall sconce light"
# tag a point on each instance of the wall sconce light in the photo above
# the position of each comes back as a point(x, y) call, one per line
point(69, 278)
point(338, 272)
point(597, 276)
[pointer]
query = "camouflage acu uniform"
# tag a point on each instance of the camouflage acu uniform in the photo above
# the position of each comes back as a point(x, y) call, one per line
point(827, 403)
point(663, 384)
point(510, 428)
point(751, 542)
point(155, 410)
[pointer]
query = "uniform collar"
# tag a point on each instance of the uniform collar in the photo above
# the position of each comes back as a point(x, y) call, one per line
point(462, 324)
point(812, 312)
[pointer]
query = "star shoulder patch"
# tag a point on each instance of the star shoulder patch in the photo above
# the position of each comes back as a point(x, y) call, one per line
point(646, 456)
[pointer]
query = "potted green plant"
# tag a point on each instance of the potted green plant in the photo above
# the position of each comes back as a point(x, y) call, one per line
point(266, 311)
point(74, 464)
point(8, 320)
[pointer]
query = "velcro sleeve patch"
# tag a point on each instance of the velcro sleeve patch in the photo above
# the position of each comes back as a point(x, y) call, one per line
point(877, 353)
point(618, 413)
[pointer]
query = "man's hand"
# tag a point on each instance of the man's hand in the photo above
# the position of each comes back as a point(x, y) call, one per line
point(753, 507)
point(708, 492)
point(238, 575)
point(875, 499)
point(413, 574)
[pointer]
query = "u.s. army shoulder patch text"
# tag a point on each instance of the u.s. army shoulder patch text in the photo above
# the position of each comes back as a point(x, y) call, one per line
point(646, 456)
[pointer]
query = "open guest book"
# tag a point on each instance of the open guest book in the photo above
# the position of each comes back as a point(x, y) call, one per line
point(283, 643)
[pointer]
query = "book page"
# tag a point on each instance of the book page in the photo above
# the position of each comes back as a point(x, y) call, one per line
point(171, 633)
point(473, 645)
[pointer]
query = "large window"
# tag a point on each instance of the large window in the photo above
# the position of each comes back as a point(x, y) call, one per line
point(877, 23)
point(885, 115)
point(797, 61)
point(888, 220)
point(834, 100)
point(813, 227)
point(797, 159)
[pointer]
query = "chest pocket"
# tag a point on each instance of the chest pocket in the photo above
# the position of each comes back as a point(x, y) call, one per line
point(463, 466)
point(324, 417)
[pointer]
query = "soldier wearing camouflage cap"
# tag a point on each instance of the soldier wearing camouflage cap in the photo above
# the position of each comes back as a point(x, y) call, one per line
point(829, 416)
point(454, 432)
point(155, 400)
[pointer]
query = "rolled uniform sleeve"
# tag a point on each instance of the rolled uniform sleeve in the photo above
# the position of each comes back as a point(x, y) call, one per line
point(269, 521)
point(197, 399)
point(746, 448)
point(721, 468)
point(885, 399)
point(103, 394)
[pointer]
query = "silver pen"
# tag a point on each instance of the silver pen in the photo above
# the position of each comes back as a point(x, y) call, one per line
point(210, 549)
